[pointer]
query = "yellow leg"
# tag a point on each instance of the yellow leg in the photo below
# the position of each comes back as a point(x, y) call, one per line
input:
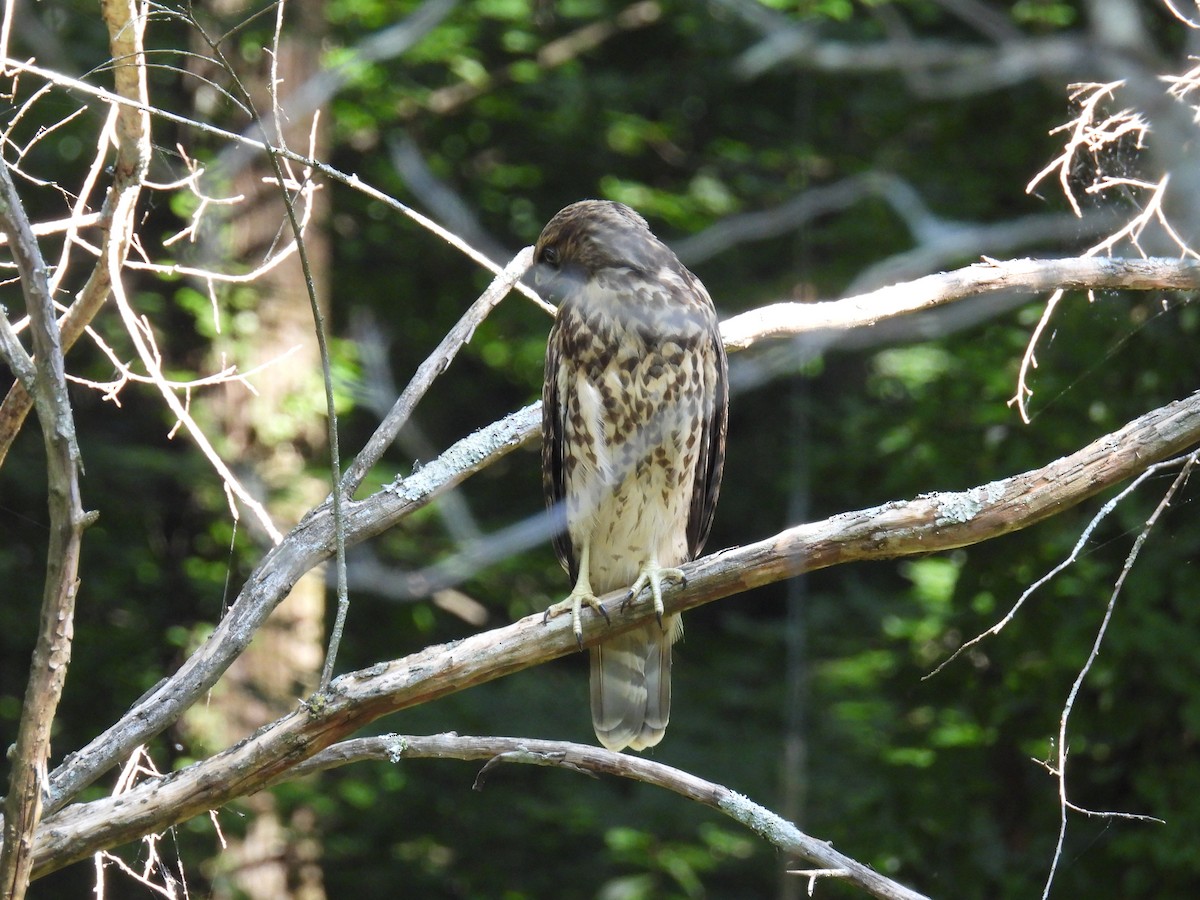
point(580, 596)
point(652, 576)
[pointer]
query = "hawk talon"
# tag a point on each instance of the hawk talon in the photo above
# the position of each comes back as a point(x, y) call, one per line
point(652, 576)
point(574, 605)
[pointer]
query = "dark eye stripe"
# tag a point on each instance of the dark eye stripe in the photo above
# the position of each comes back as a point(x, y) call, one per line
point(550, 256)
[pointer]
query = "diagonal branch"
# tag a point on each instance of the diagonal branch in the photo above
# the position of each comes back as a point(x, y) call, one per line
point(129, 128)
point(435, 364)
point(311, 541)
point(1025, 275)
point(587, 760)
point(928, 523)
point(308, 545)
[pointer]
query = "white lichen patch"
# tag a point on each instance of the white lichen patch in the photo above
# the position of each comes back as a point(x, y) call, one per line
point(955, 509)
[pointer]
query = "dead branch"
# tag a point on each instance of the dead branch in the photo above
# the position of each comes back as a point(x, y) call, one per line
point(925, 524)
point(52, 652)
point(589, 760)
point(450, 99)
point(931, 67)
point(1023, 275)
point(1060, 771)
point(129, 128)
point(311, 541)
point(351, 181)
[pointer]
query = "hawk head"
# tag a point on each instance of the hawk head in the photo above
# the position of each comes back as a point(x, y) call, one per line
point(591, 235)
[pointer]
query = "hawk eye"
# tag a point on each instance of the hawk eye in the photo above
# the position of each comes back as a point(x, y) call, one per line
point(550, 256)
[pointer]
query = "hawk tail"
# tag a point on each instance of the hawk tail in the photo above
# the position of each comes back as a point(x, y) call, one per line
point(631, 685)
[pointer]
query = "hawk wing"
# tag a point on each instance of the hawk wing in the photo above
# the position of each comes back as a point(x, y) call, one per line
point(711, 461)
point(553, 469)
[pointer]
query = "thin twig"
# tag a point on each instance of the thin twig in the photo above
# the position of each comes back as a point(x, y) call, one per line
point(335, 460)
point(351, 181)
point(143, 342)
point(130, 130)
point(1029, 357)
point(1100, 516)
point(1061, 771)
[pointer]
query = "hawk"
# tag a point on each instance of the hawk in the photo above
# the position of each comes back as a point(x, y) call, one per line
point(634, 411)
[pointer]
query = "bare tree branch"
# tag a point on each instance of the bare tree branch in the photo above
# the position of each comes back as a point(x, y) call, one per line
point(129, 129)
point(639, 14)
point(1060, 771)
point(52, 652)
point(1028, 275)
point(939, 241)
point(925, 524)
point(586, 759)
point(440, 198)
point(306, 546)
point(310, 542)
point(351, 181)
point(436, 363)
point(932, 67)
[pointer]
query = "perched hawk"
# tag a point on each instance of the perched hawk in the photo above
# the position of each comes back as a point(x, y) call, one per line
point(634, 409)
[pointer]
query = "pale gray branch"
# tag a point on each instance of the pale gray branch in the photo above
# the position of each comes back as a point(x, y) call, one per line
point(310, 542)
point(939, 241)
point(439, 198)
point(762, 225)
point(436, 363)
point(928, 523)
point(586, 759)
point(932, 67)
point(1028, 275)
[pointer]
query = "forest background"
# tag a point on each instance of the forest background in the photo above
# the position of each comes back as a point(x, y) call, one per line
point(792, 150)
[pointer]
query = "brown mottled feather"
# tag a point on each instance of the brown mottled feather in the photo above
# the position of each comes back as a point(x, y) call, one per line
point(633, 426)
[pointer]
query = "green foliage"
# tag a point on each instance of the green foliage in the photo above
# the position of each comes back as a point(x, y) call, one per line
point(928, 779)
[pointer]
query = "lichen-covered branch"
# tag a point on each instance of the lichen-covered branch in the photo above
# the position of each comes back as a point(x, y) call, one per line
point(596, 760)
point(311, 541)
point(1026, 275)
point(928, 523)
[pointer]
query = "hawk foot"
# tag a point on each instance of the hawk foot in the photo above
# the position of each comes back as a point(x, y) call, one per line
point(652, 576)
point(574, 604)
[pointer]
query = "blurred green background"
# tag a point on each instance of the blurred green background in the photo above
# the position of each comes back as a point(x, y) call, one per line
point(912, 128)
